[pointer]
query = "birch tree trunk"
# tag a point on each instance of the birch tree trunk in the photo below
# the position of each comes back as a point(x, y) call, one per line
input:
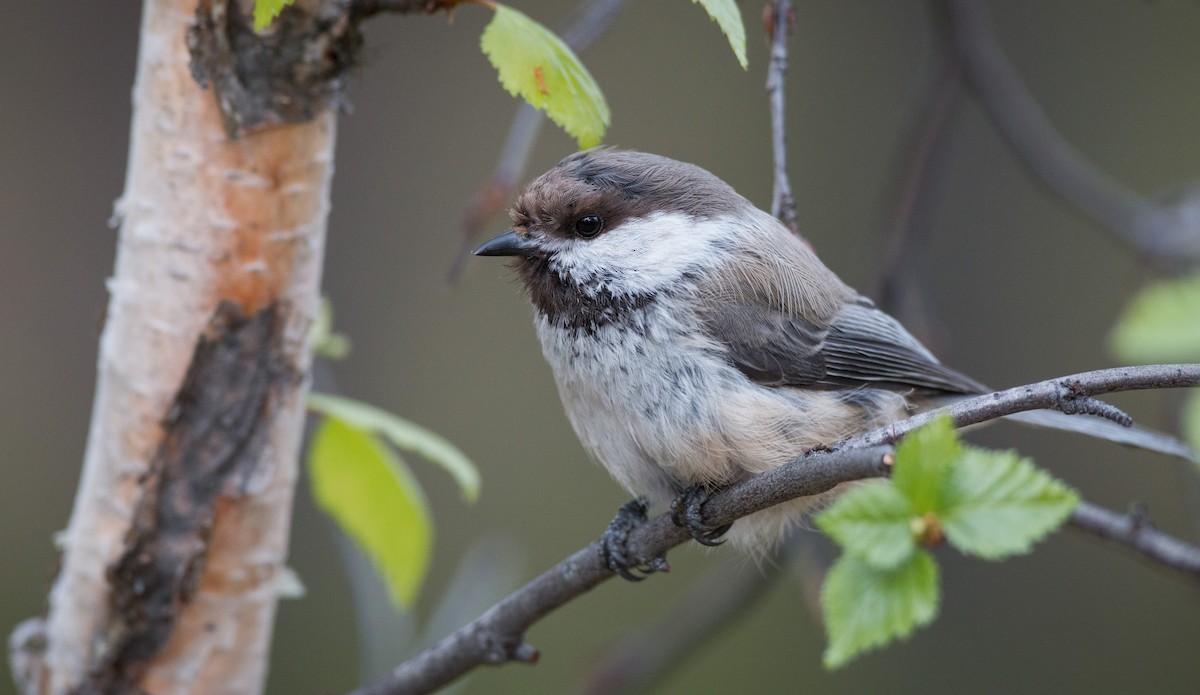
point(179, 530)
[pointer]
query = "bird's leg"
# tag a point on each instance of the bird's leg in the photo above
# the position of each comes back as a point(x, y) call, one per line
point(612, 544)
point(687, 511)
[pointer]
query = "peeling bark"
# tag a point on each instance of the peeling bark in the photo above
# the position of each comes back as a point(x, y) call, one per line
point(215, 434)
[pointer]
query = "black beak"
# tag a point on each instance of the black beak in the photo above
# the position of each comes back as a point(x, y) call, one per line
point(507, 244)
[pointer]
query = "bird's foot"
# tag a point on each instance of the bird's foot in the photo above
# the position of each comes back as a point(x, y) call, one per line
point(687, 511)
point(613, 544)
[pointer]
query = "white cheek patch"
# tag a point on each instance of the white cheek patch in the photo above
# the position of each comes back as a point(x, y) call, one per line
point(647, 254)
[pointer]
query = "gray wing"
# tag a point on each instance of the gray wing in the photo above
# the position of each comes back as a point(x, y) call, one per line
point(860, 346)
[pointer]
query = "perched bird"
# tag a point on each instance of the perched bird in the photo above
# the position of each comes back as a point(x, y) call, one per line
point(696, 341)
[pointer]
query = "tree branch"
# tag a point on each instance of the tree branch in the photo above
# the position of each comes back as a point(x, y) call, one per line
point(498, 635)
point(1136, 533)
point(176, 541)
point(779, 18)
point(1053, 394)
point(1165, 234)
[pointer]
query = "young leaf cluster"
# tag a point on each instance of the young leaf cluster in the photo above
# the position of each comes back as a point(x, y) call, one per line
point(1162, 324)
point(990, 504)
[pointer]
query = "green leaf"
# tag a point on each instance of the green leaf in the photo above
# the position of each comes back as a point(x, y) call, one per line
point(729, 18)
point(404, 435)
point(873, 522)
point(867, 607)
point(923, 460)
point(1160, 324)
point(325, 342)
point(537, 66)
point(266, 10)
point(375, 500)
point(998, 504)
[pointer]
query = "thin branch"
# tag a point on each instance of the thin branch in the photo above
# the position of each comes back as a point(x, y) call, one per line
point(498, 635)
point(592, 19)
point(1052, 394)
point(779, 19)
point(912, 220)
point(1136, 533)
point(1165, 234)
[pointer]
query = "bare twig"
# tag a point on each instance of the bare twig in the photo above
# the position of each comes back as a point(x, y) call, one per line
point(1050, 394)
point(1137, 534)
point(1166, 234)
point(779, 18)
point(592, 19)
point(498, 635)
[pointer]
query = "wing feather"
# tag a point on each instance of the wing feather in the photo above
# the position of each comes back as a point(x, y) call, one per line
point(787, 320)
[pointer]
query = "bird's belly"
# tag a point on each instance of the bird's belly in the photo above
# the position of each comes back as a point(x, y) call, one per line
point(664, 411)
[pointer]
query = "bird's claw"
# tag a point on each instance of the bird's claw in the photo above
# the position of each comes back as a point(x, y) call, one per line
point(687, 512)
point(613, 544)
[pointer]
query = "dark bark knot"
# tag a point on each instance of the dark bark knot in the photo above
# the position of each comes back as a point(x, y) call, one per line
point(213, 436)
point(288, 73)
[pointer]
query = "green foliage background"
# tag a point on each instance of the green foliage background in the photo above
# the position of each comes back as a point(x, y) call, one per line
point(1028, 288)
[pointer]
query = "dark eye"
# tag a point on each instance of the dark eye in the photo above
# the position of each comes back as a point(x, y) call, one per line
point(589, 226)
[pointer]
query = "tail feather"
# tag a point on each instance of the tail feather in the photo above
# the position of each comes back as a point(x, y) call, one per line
point(1137, 437)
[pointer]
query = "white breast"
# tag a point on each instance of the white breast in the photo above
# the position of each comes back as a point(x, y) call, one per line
point(638, 394)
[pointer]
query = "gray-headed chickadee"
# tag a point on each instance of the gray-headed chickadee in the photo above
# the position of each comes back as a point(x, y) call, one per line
point(696, 341)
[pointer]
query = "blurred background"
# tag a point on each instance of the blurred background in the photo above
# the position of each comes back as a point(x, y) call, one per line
point(1022, 286)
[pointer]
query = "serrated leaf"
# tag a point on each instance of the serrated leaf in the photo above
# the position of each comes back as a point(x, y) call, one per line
point(537, 66)
point(404, 435)
point(998, 504)
point(375, 500)
point(873, 522)
point(325, 341)
point(1161, 323)
point(729, 18)
point(267, 10)
point(923, 460)
point(867, 607)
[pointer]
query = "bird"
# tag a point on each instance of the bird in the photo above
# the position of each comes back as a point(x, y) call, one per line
point(696, 341)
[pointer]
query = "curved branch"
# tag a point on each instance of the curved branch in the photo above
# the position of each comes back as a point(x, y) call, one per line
point(497, 636)
point(1136, 533)
point(1165, 234)
point(1052, 394)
